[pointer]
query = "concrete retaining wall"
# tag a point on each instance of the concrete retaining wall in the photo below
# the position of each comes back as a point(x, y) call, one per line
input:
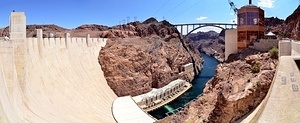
point(265, 44)
point(295, 48)
point(230, 42)
point(285, 48)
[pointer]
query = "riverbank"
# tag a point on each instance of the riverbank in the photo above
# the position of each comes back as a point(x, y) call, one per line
point(207, 72)
point(237, 88)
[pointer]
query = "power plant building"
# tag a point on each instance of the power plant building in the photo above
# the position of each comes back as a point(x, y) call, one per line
point(250, 25)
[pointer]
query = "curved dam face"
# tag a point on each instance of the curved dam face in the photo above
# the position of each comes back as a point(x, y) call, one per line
point(53, 80)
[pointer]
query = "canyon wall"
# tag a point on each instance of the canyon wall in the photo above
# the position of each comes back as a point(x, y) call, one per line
point(237, 88)
point(152, 58)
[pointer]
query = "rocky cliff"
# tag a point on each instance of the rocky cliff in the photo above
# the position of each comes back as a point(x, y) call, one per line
point(273, 24)
point(211, 43)
point(291, 27)
point(237, 88)
point(151, 58)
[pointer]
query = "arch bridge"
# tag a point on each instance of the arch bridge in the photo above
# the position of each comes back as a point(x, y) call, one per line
point(194, 26)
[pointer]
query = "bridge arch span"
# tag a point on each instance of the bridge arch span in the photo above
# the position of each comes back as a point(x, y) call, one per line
point(189, 28)
point(202, 27)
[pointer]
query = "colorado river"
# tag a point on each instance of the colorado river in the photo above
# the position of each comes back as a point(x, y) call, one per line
point(208, 71)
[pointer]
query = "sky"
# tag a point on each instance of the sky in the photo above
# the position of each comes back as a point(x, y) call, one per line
point(73, 13)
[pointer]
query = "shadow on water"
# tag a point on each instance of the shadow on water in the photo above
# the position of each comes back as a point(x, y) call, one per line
point(208, 71)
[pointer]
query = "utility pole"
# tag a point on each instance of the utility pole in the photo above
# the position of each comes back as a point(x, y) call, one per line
point(120, 24)
point(123, 21)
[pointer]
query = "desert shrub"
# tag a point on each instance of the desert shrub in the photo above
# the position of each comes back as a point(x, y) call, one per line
point(255, 67)
point(258, 83)
point(274, 52)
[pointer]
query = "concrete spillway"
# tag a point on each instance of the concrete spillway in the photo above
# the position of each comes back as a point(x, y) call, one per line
point(48, 81)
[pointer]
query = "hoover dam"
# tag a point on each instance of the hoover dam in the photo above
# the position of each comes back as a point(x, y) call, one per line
point(52, 79)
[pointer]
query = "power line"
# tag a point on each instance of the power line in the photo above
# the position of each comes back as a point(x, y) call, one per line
point(174, 8)
point(161, 7)
point(187, 9)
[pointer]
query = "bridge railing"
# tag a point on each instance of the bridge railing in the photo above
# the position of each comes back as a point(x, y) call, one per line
point(186, 29)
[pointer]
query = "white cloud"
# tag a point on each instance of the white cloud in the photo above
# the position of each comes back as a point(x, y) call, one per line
point(201, 18)
point(266, 3)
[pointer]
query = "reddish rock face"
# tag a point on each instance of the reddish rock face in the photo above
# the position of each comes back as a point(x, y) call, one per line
point(209, 42)
point(291, 27)
point(232, 93)
point(151, 58)
point(133, 66)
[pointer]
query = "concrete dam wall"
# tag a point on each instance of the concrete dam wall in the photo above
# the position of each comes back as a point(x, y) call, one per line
point(53, 80)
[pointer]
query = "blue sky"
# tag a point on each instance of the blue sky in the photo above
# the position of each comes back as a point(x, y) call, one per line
point(73, 13)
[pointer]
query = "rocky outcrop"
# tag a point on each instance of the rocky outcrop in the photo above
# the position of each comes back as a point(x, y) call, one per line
point(92, 27)
point(203, 35)
point(291, 27)
point(273, 24)
point(138, 29)
point(237, 88)
point(211, 43)
point(152, 58)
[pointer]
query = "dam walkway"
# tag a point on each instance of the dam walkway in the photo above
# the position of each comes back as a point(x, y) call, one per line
point(281, 105)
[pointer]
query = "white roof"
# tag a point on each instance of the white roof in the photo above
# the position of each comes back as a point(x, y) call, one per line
point(270, 34)
point(125, 110)
point(186, 65)
point(155, 92)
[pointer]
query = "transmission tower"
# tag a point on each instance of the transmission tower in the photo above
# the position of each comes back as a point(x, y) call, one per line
point(128, 19)
point(135, 18)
